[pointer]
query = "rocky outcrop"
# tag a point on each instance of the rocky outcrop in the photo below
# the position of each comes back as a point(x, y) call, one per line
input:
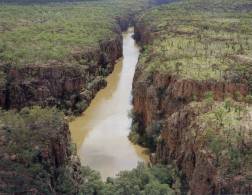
point(61, 84)
point(142, 33)
point(163, 99)
point(157, 94)
point(68, 86)
point(2, 96)
point(161, 108)
point(35, 151)
point(125, 22)
point(181, 144)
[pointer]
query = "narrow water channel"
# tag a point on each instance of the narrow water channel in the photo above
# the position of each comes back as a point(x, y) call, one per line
point(101, 132)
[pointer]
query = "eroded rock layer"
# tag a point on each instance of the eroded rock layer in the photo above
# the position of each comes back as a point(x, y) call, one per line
point(175, 116)
point(67, 86)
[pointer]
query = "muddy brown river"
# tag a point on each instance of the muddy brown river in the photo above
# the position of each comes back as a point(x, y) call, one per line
point(101, 132)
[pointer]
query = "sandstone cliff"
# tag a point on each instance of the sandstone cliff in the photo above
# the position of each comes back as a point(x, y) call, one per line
point(68, 86)
point(208, 167)
point(165, 113)
point(63, 85)
point(36, 152)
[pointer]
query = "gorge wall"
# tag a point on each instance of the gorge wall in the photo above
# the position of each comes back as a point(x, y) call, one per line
point(37, 155)
point(37, 158)
point(165, 118)
point(69, 87)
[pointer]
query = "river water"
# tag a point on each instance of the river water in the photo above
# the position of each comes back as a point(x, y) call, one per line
point(101, 132)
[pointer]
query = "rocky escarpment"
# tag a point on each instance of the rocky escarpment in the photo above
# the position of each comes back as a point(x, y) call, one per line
point(160, 107)
point(67, 86)
point(70, 87)
point(207, 170)
point(36, 153)
point(165, 119)
point(142, 33)
point(159, 95)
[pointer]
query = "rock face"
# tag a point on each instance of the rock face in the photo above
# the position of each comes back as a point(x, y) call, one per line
point(164, 99)
point(36, 154)
point(158, 94)
point(182, 145)
point(142, 33)
point(2, 96)
point(68, 86)
point(34, 158)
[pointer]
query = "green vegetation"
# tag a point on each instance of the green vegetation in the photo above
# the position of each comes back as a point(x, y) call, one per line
point(40, 33)
point(35, 124)
point(2, 79)
point(30, 161)
point(200, 39)
point(147, 138)
point(80, 106)
point(143, 180)
point(227, 133)
point(25, 137)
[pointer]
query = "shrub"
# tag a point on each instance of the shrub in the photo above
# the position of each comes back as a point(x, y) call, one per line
point(134, 137)
point(81, 106)
point(201, 46)
point(219, 116)
point(248, 99)
point(209, 99)
point(28, 132)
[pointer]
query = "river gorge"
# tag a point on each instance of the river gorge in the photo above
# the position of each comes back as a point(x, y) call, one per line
point(101, 132)
point(125, 97)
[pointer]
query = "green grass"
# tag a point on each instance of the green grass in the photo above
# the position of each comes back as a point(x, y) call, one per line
point(39, 33)
point(200, 39)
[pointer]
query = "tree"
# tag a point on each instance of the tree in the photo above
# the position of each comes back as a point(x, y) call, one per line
point(215, 67)
point(228, 104)
point(209, 99)
point(248, 99)
point(178, 65)
point(239, 109)
point(219, 114)
point(215, 143)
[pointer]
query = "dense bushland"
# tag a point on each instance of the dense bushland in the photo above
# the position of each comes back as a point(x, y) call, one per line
point(225, 129)
point(36, 34)
point(200, 39)
point(144, 180)
point(27, 140)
